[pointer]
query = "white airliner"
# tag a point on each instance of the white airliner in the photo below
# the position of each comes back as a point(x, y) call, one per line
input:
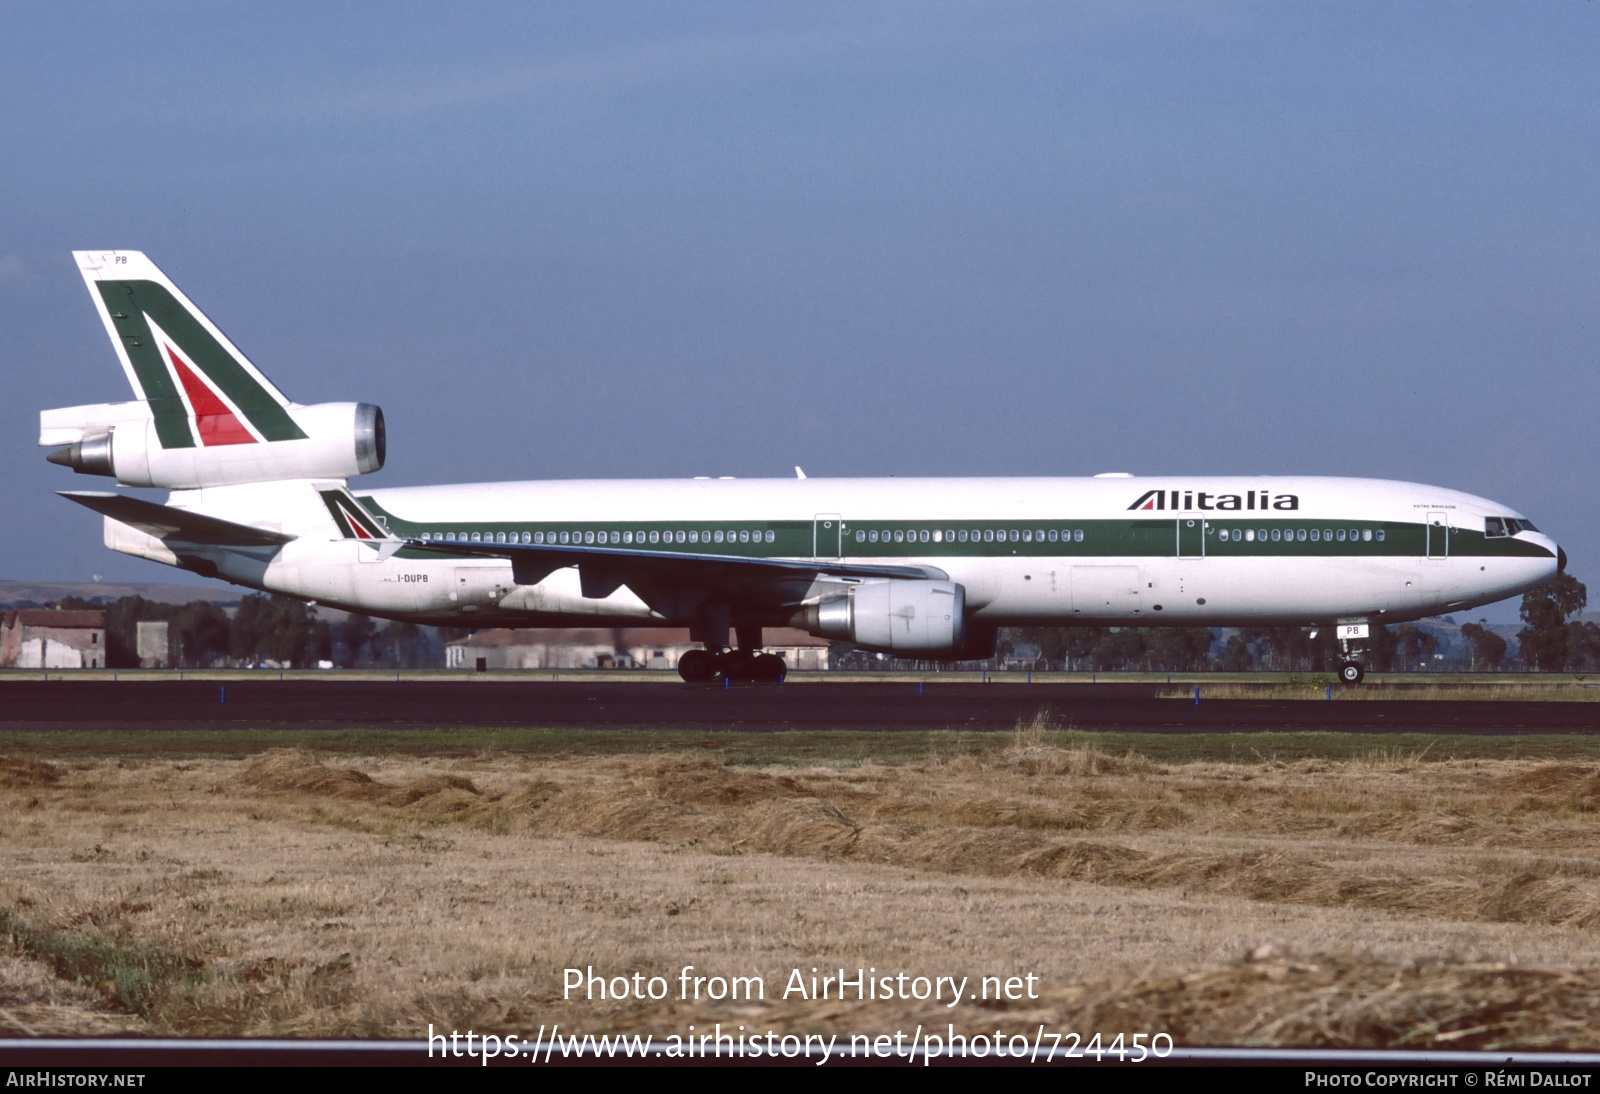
point(919, 567)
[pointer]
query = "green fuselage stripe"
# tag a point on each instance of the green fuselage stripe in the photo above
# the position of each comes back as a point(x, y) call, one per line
point(1099, 538)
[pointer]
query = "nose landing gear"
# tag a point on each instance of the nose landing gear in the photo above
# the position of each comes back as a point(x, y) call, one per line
point(1352, 637)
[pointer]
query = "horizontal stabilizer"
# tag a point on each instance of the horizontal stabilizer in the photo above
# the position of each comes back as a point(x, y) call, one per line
point(165, 522)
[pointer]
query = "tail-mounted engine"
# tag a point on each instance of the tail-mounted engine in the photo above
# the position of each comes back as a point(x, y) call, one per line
point(129, 443)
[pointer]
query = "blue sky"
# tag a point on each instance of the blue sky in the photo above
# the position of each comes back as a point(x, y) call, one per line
point(913, 239)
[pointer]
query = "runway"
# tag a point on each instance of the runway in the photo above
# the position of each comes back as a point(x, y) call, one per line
point(873, 707)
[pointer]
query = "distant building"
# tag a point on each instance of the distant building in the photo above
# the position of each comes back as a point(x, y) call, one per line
point(154, 652)
point(40, 638)
point(606, 647)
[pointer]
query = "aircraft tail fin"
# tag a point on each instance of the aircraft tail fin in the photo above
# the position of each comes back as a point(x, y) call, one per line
point(200, 389)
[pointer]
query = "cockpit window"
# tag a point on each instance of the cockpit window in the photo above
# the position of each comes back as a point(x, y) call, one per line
point(1494, 527)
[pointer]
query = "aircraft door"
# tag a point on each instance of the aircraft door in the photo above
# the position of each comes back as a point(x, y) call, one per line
point(1438, 535)
point(1191, 537)
point(827, 536)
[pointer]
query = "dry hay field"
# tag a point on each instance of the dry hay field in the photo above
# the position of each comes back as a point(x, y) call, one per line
point(1381, 898)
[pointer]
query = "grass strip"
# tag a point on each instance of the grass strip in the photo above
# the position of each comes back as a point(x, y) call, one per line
point(789, 748)
point(134, 976)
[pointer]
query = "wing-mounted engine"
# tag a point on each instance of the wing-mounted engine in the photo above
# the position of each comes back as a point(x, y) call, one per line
point(893, 616)
point(125, 441)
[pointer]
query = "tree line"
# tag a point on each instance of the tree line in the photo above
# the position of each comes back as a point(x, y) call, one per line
point(263, 630)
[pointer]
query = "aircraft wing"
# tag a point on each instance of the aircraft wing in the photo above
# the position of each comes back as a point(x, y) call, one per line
point(165, 522)
point(601, 570)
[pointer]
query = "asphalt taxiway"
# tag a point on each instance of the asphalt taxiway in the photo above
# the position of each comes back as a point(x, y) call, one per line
point(886, 707)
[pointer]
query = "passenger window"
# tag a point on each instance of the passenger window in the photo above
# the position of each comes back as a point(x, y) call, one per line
point(771, 537)
point(1380, 535)
point(988, 535)
point(963, 535)
point(1315, 536)
point(1341, 535)
point(1027, 535)
point(924, 535)
point(899, 537)
point(744, 537)
point(861, 537)
point(1223, 535)
point(1015, 535)
point(1078, 535)
point(949, 535)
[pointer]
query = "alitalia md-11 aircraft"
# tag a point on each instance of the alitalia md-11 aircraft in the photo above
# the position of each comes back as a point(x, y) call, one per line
point(925, 568)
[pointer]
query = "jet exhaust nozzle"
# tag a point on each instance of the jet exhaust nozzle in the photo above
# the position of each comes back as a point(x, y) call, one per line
point(90, 456)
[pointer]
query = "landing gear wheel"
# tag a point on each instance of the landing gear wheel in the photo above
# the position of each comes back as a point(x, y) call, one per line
point(739, 665)
point(1351, 672)
point(697, 666)
point(770, 668)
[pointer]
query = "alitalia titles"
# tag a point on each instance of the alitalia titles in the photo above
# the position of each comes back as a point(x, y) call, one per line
point(1190, 500)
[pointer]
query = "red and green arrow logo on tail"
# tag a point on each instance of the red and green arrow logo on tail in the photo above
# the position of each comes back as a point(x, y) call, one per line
point(193, 384)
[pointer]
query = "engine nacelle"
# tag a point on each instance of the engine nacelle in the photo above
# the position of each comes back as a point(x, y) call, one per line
point(120, 440)
point(892, 616)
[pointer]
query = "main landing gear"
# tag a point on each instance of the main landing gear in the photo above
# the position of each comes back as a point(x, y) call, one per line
point(743, 666)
